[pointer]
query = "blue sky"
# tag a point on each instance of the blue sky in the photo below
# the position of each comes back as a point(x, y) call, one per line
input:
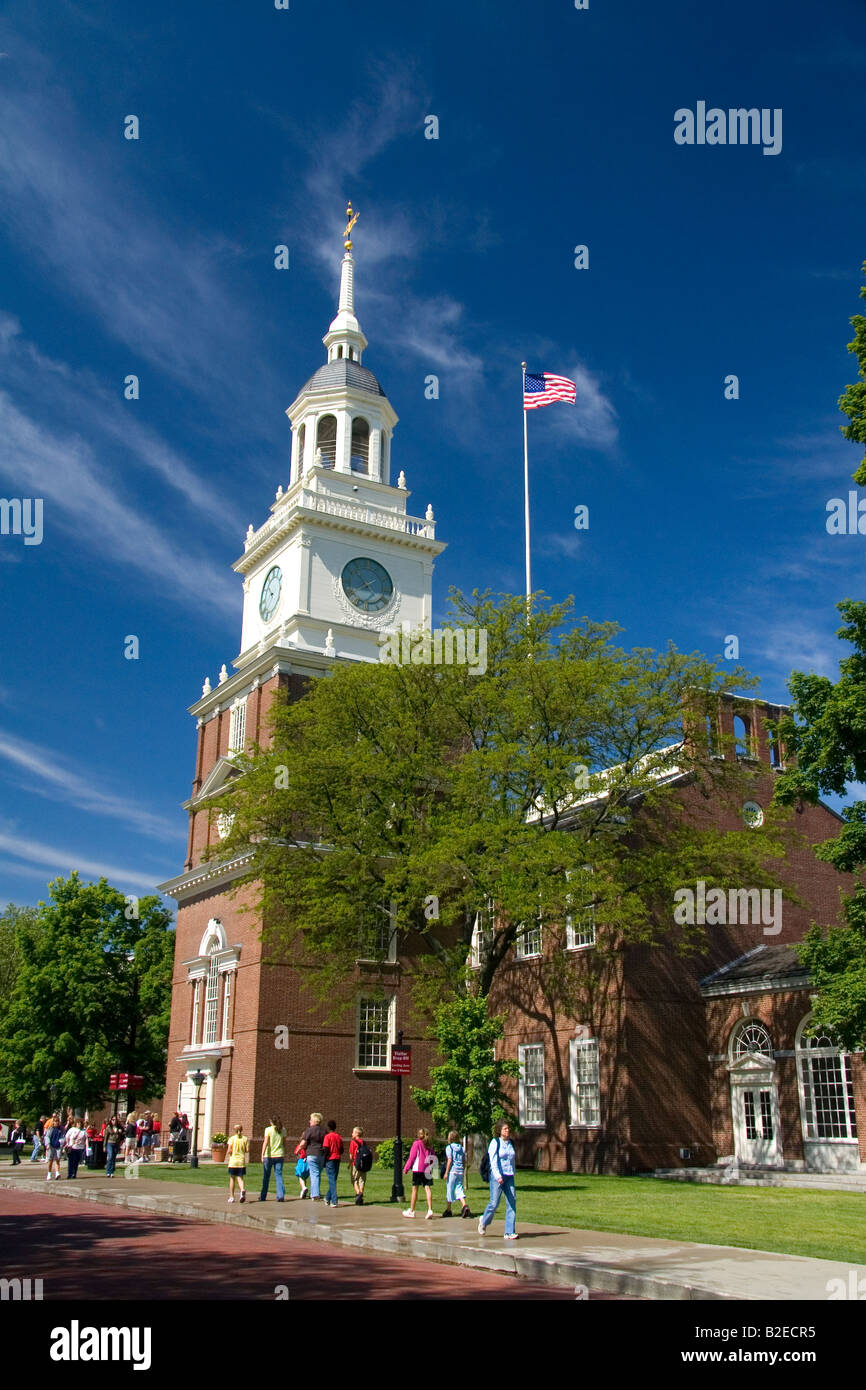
point(155, 257)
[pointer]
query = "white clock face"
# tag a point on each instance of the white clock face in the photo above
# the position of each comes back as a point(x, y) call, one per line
point(367, 585)
point(270, 594)
point(753, 815)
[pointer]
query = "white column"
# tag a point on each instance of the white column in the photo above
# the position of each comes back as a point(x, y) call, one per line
point(293, 467)
point(208, 1111)
point(344, 441)
point(375, 464)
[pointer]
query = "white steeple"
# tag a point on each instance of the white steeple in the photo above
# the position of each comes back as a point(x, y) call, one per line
point(345, 338)
point(342, 421)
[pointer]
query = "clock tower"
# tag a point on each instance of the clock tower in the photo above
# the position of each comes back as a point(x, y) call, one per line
point(338, 562)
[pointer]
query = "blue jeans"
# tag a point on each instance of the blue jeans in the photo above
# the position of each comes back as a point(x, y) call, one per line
point(37, 1149)
point(496, 1191)
point(332, 1168)
point(277, 1165)
point(110, 1159)
point(315, 1167)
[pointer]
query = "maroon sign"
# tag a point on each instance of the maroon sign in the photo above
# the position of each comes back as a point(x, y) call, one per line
point(112, 1082)
point(401, 1061)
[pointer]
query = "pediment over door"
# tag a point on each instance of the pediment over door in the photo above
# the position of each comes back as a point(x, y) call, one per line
point(753, 1069)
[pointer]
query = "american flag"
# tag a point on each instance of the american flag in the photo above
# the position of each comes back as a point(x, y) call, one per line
point(543, 388)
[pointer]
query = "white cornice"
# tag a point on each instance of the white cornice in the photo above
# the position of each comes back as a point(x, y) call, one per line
point(323, 512)
point(210, 875)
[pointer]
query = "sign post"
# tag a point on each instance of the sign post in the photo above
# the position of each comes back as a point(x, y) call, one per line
point(401, 1065)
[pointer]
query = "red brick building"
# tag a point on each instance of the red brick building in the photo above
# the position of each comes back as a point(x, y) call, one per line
point(655, 1060)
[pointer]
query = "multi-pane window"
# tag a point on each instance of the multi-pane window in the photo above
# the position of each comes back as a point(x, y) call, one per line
point(529, 940)
point(585, 1089)
point(374, 1032)
point(211, 997)
point(377, 936)
point(828, 1091)
point(238, 726)
point(531, 1101)
point(580, 926)
point(482, 936)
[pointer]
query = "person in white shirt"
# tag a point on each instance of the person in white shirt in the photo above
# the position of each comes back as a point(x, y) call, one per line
point(75, 1143)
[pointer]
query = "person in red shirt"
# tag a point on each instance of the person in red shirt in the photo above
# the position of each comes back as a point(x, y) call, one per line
point(333, 1146)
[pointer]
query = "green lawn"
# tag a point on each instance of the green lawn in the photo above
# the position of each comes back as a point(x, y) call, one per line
point(828, 1225)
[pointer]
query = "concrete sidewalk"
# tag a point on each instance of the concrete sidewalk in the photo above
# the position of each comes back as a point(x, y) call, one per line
point(641, 1266)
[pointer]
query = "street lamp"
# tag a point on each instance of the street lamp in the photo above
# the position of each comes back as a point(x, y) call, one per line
point(198, 1079)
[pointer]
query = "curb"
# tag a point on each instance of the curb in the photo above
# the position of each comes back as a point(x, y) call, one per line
point(542, 1269)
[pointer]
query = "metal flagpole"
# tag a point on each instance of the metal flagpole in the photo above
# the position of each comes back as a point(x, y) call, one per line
point(526, 490)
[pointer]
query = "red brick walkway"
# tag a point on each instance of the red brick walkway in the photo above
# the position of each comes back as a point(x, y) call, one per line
point(86, 1250)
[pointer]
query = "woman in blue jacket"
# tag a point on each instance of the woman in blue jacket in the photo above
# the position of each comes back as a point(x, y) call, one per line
point(501, 1155)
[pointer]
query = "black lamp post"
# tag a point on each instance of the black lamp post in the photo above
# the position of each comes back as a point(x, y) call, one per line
point(397, 1194)
point(198, 1079)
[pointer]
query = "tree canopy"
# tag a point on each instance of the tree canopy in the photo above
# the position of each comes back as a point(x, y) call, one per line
point(826, 733)
point(92, 991)
point(428, 792)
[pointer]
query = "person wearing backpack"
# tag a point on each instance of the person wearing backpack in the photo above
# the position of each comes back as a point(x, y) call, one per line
point(455, 1167)
point(422, 1161)
point(499, 1163)
point(361, 1159)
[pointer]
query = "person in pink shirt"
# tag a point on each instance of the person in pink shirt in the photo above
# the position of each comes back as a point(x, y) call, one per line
point(422, 1161)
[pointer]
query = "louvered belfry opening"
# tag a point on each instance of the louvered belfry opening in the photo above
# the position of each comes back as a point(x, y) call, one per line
point(326, 440)
point(360, 445)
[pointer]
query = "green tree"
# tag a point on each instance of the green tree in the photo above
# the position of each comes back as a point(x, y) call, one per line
point(93, 989)
point(826, 733)
point(465, 1091)
point(853, 400)
point(14, 921)
point(427, 791)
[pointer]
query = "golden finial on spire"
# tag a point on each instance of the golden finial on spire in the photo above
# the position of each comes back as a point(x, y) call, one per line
point(351, 219)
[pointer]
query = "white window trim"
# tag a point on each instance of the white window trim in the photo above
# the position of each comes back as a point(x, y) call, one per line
point(801, 1052)
point(391, 1032)
point(520, 943)
point(482, 938)
point(589, 910)
point(195, 1012)
point(574, 1046)
point(237, 727)
point(522, 1051)
point(227, 977)
point(391, 957)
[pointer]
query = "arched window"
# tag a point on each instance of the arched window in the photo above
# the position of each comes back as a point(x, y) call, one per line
point(751, 1037)
point(211, 996)
point(826, 1088)
point(326, 440)
point(302, 444)
point(360, 456)
point(743, 736)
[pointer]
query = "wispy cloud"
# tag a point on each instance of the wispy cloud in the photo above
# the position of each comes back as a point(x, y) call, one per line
point(49, 772)
point(73, 202)
point(80, 498)
point(64, 861)
point(79, 399)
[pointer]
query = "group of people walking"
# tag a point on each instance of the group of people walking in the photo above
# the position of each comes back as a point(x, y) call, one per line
point(319, 1152)
point(130, 1136)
